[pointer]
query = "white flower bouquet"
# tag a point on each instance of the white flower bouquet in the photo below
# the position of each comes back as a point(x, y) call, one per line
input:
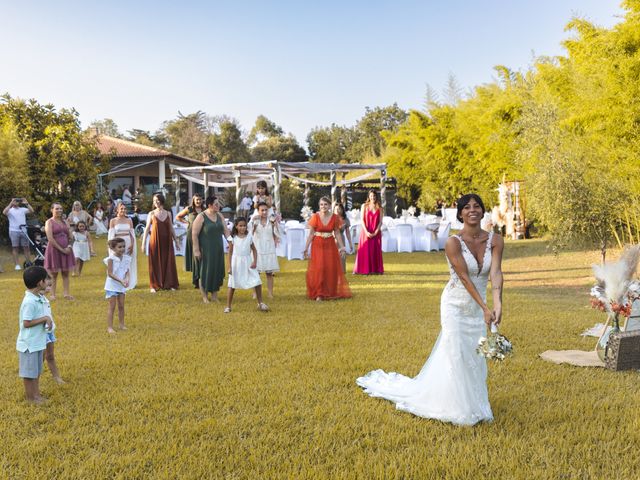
point(494, 346)
point(306, 213)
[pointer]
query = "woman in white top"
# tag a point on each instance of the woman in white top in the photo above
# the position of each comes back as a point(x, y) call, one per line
point(121, 226)
point(77, 214)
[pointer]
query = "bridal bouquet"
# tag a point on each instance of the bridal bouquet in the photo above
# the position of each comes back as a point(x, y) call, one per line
point(495, 346)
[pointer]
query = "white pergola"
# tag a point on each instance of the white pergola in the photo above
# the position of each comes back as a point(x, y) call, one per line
point(240, 174)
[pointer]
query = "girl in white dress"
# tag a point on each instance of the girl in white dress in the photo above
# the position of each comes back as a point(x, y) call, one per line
point(82, 246)
point(266, 237)
point(122, 227)
point(242, 265)
point(452, 385)
point(117, 281)
point(262, 196)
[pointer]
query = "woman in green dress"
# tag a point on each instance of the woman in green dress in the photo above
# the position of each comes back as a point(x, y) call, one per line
point(208, 250)
point(188, 216)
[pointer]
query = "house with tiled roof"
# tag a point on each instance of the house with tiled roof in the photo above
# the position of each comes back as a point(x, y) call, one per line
point(141, 167)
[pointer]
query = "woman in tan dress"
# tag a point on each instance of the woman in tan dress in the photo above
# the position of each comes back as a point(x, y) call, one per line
point(163, 274)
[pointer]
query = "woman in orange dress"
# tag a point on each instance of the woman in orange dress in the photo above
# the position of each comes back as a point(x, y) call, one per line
point(325, 278)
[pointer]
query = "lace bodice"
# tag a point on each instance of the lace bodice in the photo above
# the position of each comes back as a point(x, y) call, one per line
point(479, 273)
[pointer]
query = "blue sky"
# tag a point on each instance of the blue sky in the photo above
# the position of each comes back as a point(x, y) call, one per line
point(302, 64)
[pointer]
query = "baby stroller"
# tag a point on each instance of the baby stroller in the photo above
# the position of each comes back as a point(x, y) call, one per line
point(37, 240)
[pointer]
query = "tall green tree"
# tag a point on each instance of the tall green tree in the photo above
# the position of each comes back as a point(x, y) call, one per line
point(369, 141)
point(269, 142)
point(188, 135)
point(144, 137)
point(14, 167)
point(264, 129)
point(226, 143)
point(285, 148)
point(63, 161)
point(330, 144)
point(106, 127)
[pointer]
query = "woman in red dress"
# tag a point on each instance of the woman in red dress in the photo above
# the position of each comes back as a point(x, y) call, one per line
point(325, 278)
point(369, 256)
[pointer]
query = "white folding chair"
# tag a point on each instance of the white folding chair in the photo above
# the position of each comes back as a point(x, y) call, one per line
point(419, 238)
point(295, 243)
point(389, 242)
point(432, 237)
point(281, 249)
point(292, 224)
point(404, 234)
point(443, 234)
point(450, 216)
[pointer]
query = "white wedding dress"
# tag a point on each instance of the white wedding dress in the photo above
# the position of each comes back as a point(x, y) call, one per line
point(452, 385)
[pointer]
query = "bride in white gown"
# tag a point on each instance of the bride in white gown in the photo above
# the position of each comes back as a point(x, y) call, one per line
point(452, 385)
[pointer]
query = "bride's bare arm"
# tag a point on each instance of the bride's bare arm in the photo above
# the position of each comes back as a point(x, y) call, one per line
point(496, 276)
point(453, 250)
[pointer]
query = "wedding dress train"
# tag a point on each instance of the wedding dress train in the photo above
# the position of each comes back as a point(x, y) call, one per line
point(452, 385)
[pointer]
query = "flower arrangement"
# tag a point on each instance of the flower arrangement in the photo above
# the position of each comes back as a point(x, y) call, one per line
point(615, 292)
point(306, 213)
point(495, 346)
point(411, 211)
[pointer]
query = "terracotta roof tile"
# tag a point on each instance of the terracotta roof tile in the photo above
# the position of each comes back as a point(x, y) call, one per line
point(125, 148)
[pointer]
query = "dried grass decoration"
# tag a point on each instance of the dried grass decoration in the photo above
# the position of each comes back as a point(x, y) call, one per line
point(495, 346)
point(615, 292)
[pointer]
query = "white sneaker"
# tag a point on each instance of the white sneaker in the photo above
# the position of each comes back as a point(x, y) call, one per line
point(18, 267)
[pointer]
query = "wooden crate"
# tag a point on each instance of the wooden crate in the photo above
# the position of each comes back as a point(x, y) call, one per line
point(623, 351)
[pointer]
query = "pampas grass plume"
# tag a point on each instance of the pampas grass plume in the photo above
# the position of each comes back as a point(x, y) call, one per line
point(615, 277)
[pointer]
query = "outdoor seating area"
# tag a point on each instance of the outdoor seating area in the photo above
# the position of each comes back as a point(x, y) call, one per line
point(426, 233)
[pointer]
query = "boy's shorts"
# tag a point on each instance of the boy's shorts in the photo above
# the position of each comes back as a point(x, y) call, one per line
point(30, 364)
point(51, 337)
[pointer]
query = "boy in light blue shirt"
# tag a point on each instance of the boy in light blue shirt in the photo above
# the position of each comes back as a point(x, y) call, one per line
point(32, 338)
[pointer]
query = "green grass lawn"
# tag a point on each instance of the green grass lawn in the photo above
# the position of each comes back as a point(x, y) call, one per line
point(188, 392)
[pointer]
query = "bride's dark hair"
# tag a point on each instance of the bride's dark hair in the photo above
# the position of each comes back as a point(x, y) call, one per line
point(464, 200)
